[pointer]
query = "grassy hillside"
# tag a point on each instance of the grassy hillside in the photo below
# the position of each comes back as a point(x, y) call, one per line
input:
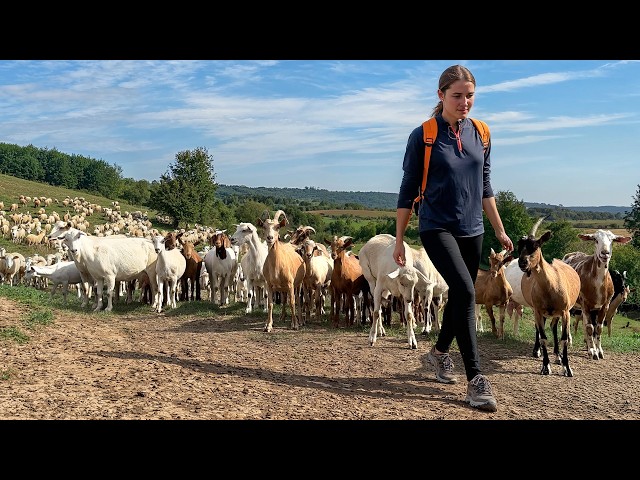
point(12, 187)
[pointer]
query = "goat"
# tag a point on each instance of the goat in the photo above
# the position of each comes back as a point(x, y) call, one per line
point(551, 289)
point(170, 266)
point(596, 286)
point(347, 280)
point(317, 277)
point(220, 263)
point(109, 260)
point(252, 263)
point(387, 279)
point(434, 293)
point(190, 280)
point(62, 273)
point(493, 289)
point(620, 293)
point(283, 269)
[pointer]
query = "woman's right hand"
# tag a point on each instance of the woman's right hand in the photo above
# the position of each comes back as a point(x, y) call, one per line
point(398, 254)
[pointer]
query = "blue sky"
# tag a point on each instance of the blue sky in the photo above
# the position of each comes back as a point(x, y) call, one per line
point(563, 132)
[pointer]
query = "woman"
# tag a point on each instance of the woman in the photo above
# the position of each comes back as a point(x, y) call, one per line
point(451, 227)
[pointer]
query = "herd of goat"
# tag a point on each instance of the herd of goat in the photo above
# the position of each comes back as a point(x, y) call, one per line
point(259, 265)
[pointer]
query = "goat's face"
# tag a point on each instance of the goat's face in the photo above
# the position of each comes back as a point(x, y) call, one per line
point(530, 253)
point(604, 244)
point(497, 261)
point(244, 231)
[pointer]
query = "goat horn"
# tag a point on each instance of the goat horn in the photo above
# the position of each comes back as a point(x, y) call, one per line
point(535, 227)
point(276, 217)
point(310, 229)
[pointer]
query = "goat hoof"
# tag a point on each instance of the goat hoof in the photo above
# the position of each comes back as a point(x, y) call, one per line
point(545, 370)
point(568, 372)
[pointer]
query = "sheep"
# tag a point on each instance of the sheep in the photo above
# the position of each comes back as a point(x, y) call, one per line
point(317, 277)
point(385, 278)
point(493, 289)
point(596, 286)
point(220, 263)
point(108, 260)
point(551, 289)
point(170, 266)
point(252, 263)
point(13, 267)
point(283, 269)
point(61, 273)
point(347, 280)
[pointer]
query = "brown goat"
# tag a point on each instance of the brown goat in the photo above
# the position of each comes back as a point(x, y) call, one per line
point(551, 289)
point(347, 280)
point(191, 275)
point(492, 289)
point(283, 269)
point(596, 285)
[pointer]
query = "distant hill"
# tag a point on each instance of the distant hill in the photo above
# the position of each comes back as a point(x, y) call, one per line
point(369, 200)
point(604, 208)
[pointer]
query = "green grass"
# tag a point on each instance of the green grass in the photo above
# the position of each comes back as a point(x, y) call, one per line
point(625, 337)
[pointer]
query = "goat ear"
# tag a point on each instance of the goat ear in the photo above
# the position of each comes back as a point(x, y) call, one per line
point(394, 274)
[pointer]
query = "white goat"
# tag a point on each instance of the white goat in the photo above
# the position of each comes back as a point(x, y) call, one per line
point(436, 289)
point(221, 264)
point(596, 286)
point(63, 273)
point(108, 260)
point(252, 263)
point(170, 266)
point(386, 279)
point(551, 289)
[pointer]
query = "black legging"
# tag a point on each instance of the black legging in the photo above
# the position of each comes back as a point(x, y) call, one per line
point(457, 260)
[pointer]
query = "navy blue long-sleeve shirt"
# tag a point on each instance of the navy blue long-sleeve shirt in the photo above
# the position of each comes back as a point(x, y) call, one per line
point(456, 183)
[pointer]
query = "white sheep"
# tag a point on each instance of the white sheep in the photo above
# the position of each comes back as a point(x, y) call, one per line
point(387, 279)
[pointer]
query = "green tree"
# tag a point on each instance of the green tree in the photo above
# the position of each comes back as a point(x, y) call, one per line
point(186, 192)
point(136, 192)
point(564, 239)
point(627, 258)
point(632, 220)
point(516, 221)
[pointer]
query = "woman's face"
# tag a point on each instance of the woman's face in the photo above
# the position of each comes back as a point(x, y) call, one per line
point(457, 100)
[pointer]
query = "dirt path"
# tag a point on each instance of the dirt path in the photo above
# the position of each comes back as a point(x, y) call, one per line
point(93, 366)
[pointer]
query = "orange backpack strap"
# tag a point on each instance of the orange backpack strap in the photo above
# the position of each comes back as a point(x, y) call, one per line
point(429, 132)
point(483, 130)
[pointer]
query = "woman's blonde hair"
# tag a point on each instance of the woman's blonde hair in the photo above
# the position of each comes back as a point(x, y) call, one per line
point(448, 77)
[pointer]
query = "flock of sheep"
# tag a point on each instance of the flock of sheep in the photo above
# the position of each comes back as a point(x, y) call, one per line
point(258, 265)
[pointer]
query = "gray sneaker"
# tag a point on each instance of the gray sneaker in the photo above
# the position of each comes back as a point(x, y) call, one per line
point(443, 365)
point(480, 395)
